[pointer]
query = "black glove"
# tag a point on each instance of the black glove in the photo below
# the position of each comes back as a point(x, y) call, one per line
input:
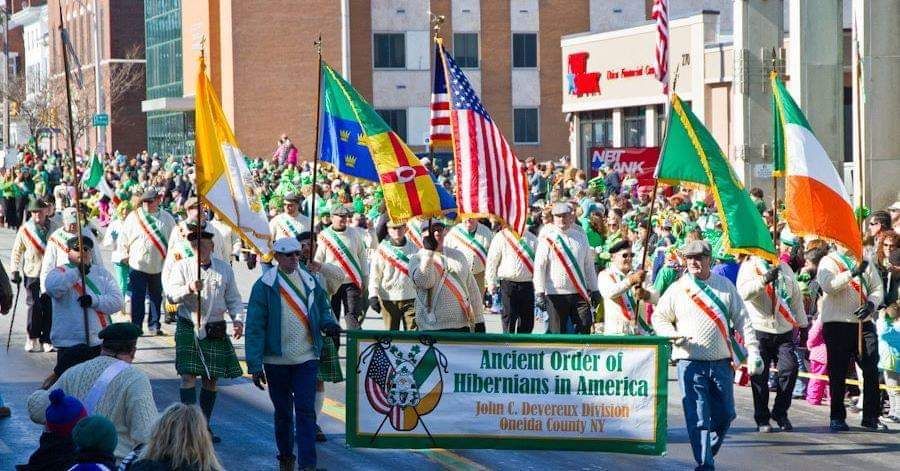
point(429, 242)
point(771, 275)
point(334, 332)
point(596, 299)
point(85, 268)
point(259, 379)
point(865, 310)
point(16, 278)
point(375, 304)
point(860, 268)
point(85, 300)
point(540, 302)
point(251, 261)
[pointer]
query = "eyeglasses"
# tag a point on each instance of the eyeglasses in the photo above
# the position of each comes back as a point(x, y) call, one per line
point(290, 254)
point(627, 255)
point(874, 223)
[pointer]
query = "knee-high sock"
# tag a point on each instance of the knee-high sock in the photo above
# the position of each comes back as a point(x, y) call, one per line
point(188, 395)
point(207, 401)
point(320, 401)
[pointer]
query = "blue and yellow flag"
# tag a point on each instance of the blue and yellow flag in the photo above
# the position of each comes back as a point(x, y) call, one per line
point(357, 141)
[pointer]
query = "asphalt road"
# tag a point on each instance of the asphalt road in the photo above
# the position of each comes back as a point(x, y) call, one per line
point(243, 418)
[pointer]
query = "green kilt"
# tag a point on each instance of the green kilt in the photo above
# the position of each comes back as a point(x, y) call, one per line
point(329, 363)
point(219, 354)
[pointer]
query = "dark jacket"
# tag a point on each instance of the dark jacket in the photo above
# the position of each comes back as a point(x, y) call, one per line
point(54, 452)
point(88, 460)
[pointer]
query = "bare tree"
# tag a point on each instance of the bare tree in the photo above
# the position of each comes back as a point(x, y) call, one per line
point(31, 105)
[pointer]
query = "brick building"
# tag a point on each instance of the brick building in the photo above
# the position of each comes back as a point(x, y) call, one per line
point(263, 65)
point(122, 46)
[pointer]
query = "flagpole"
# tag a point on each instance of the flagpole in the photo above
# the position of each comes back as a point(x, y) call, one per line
point(775, 214)
point(315, 164)
point(646, 247)
point(75, 173)
point(199, 211)
point(436, 22)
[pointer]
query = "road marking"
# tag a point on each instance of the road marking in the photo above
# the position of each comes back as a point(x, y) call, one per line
point(445, 458)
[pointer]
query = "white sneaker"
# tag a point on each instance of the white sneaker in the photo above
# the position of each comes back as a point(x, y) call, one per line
point(49, 348)
point(29, 344)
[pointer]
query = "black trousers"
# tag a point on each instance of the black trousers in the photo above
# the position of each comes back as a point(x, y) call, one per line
point(780, 349)
point(562, 307)
point(67, 357)
point(39, 318)
point(518, 306)
point(842, 347)
point(349, 297)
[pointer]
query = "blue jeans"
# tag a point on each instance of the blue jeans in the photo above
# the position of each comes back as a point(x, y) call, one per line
point(707, 388)
point(293, 392)
point(141, 285)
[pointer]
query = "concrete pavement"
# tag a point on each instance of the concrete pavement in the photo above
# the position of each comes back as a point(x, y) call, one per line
point(243, 418)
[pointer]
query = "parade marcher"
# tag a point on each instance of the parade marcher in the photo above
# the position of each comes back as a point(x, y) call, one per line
point(57, 245)
point(699, 312)
point(288, 309)
point(145, 243)
point(111, 386)
point(391, 291)
point(510, 270)
point(565, 280)
point(621, 288)
point(28, 251)
point(291, 222)
point(345, 247)
point(70, 300)
point(447, 296)
point(761, 285)
point(204, 349)
point(472, 239)
point(329, 362)
point(851, 293)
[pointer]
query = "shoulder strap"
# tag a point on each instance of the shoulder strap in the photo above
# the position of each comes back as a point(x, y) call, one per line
point(102, 384)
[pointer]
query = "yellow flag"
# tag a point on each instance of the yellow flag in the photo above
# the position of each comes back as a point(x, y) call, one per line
point(224, 182)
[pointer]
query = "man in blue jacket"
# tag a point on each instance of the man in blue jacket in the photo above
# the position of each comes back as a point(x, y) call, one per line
point(286, 316)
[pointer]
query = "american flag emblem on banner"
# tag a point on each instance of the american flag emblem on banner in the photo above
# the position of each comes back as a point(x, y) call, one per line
point(661, 15)
point(439, 132)
point(490, 180)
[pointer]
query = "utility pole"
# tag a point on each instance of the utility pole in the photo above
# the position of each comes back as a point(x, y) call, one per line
point(98, 79)
point(5, 79)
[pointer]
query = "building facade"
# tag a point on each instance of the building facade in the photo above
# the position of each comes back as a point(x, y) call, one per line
point(169, 121)
point(263, 64)
point(121, 39)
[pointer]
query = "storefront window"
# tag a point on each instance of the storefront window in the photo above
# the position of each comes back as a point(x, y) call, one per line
point(634, 127)
point(596, 131)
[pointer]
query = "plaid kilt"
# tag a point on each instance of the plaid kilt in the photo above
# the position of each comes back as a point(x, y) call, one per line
point(219, 354)
point(329, 363)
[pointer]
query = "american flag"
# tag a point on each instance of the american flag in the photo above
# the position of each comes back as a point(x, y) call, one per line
point(439, 133)
point(378, 379)
point(490, 180)
point(661, 15)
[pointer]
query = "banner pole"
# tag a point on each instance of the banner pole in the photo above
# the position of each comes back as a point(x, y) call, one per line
point(315, 163)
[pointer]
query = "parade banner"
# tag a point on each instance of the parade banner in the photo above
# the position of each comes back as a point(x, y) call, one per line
point(552, 392)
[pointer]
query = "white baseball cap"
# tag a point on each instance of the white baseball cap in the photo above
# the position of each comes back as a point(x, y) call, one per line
point(895, 206)
point(286, 245)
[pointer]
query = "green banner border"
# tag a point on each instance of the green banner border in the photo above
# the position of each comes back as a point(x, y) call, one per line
point(657, 447)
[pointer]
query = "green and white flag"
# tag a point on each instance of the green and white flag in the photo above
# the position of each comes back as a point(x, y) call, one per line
point(691, 156)
point(93, 178)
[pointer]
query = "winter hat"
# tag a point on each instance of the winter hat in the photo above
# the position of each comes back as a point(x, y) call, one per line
point(95, 433)
point(63, 413)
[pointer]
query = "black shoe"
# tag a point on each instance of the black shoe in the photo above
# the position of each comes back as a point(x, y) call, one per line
point(785, 424)
point(839, 426)
point(287, 464)
point(160, 333)
point(320, 435)
point(873, 426)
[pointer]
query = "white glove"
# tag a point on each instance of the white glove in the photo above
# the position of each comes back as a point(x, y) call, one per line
point(754, 364)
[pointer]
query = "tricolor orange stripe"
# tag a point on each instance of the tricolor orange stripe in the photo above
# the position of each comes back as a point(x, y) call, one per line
point(812, 211)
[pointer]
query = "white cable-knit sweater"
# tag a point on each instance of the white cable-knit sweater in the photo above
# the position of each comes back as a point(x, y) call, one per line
point(503, 263)
point(677, 316)
point(448, 314)
point(550, 273)
point(839, 300)
point(752, 288)
point(387, 281)
point(127, 402)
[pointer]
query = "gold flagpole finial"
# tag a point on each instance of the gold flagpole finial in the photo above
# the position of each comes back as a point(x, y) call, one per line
point(203, 46)
point(436, 22)
point(318, 44)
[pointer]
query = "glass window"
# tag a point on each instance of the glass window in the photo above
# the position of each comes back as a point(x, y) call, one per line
point(596, 131)
point(465, 49)
point(525, 126)
point(396, 119)
point(389, 50)
point(634, 127)
point(524, 50)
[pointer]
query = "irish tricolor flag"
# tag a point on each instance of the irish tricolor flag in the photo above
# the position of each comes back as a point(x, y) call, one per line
point(816, 201)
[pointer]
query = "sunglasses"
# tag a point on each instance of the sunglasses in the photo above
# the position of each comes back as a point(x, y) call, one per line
point(291, 254)
point(873, 223)
point(627, 255)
